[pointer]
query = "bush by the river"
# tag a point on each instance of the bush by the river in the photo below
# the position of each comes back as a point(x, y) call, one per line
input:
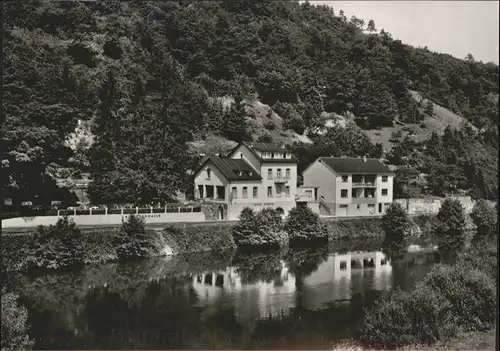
point(451, 228)
point(57, 246)
point(396, 225)
point(264, 228)
point(450, 300)
point(207, 237)
point(354, 228)
point(14, 324)
point(133, 241)
point(303, 225)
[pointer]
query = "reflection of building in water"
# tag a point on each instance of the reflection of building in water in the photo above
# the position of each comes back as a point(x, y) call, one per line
point(255, 300)
point(343, 275)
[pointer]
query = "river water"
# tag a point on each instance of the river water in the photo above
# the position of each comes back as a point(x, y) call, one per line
point(300, 299)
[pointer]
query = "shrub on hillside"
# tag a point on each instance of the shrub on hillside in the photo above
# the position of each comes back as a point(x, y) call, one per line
point(57, 246)
point(14, 324)
point(303, 225)
point(264, 228)
point(132, 241)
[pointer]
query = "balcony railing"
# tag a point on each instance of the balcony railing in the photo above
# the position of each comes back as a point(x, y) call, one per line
point(363, 184)
point(364, 200)
point(280, 180)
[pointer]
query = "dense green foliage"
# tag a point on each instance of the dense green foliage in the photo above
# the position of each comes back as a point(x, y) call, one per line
point(14, 324)
point(264, 228)
point(57, 246)
point(146, 74)
point(396, 225)
point(303, 225)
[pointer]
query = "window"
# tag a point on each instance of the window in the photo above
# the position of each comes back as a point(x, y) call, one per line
point(384, 192)
point(269, 191)
point(309, 193)
point(343, 265)
point(269, 173)
point(384, 179)
point(287, 191)
point(287, 173)
point(241, 155)
point(255, 191)
point(245, 192)
point(234, 192)
point(208, 173)
point(272, 154)
point(343, 193)
point(278, 173)
point(345, 179)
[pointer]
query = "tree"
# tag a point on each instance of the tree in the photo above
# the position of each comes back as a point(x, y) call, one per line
point(133, 241)
point(469, 57)
point(262, 229)
point(371, 26)
point(484, 217)
point(450, 231)
point(396, 224)
point(429, 108)
point(403, 177)
point(303, 225)
point(235, 122)
point(57, 246)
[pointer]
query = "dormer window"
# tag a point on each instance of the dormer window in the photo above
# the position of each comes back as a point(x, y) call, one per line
point(272, 154)
point(208, 173)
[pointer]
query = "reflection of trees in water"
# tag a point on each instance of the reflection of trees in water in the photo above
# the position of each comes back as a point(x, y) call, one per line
point(165, 318)
point(200, 262)
point(255, 267)
point(303, 262)
point(348, 245)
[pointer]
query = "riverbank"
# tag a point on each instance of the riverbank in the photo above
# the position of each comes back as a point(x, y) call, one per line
point(99, 244)
point(465, 341)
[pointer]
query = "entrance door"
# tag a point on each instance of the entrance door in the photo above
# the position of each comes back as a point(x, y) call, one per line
point(221, 213)
point(380, 208)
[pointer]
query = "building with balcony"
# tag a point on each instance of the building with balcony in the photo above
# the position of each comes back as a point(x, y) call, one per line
point(257, 176)
point(350, 186)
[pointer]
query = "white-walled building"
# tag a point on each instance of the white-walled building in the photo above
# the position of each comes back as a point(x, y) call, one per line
point(351, 186)
point(257, 176)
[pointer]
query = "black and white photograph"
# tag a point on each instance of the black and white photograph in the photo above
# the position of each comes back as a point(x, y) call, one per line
point(249, 175)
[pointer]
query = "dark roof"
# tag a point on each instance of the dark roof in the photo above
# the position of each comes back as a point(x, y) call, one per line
point(252, 149)
point(356, 165)
point(233, 169)
point(268, 147)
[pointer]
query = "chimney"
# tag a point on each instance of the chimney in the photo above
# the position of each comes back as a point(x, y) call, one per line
point(364, 158)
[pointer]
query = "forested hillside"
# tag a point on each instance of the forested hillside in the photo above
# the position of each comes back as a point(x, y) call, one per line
point(148, 75)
